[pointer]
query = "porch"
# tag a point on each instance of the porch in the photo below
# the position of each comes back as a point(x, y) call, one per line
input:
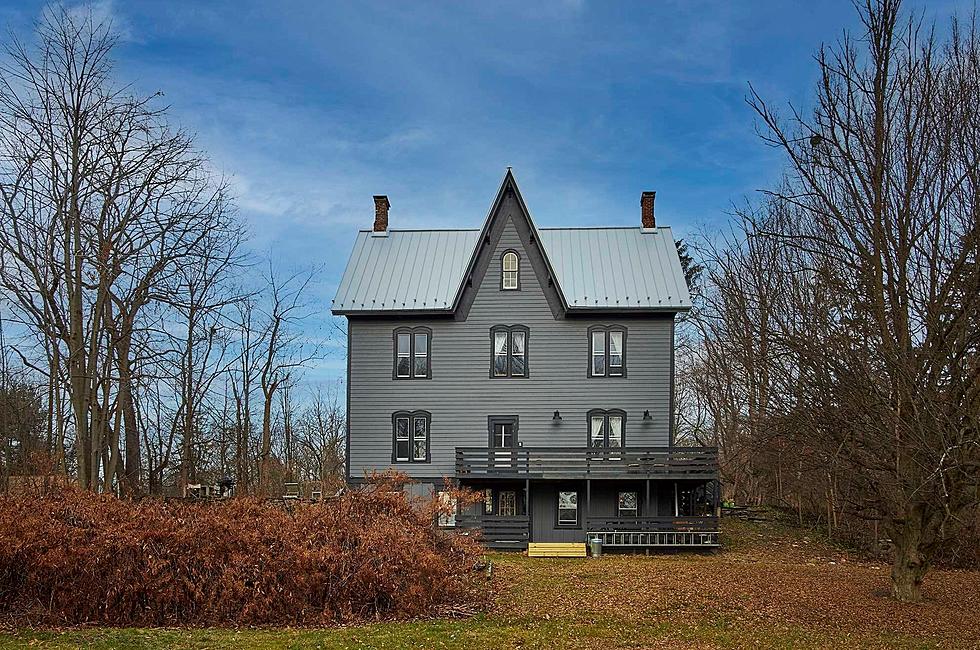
point(624, 514)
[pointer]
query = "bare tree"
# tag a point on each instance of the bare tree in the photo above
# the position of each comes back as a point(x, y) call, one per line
point(320, 439)
point(283, 351)
point(102, 203)
point(868, 316)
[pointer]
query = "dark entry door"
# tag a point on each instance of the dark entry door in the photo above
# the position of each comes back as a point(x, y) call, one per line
point(503, 440)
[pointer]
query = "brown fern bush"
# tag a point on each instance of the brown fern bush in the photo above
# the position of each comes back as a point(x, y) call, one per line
point(74, 558)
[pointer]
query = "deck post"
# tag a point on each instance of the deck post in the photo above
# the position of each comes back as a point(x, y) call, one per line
point(527, 507)
point(588, 504)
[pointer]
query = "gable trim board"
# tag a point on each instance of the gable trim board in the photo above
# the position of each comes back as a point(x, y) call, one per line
point(436, 272)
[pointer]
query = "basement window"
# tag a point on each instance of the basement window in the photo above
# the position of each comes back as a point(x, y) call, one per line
point(567, 508)
point(447, 509)
point(508, 503)
point(628, 504)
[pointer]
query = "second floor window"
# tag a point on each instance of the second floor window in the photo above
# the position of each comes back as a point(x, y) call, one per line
point(411, 436)
point(607, 352)
point(412, 353)
point(607, 428)
point(508, 351)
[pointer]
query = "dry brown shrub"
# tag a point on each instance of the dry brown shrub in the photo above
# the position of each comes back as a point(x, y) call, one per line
point(75, 557)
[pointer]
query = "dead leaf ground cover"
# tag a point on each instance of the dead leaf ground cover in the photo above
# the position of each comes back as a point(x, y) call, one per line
point(772, 586)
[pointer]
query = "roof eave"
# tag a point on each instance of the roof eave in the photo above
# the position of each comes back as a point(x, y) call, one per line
point(629, 310)
point(392, 312)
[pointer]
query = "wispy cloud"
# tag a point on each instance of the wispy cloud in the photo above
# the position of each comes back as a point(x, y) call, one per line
point(310, 108)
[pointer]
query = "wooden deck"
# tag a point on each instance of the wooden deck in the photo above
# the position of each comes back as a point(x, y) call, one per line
point(678, 463)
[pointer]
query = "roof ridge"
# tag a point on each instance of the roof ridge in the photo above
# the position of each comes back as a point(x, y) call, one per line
point(390, 230)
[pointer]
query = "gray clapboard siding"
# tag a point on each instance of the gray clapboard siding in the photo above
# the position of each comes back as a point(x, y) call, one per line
point(461, 394)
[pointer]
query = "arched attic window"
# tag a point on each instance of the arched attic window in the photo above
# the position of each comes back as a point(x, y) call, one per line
point(509, 272)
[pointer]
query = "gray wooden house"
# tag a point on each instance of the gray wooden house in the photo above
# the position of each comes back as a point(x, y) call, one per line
point(535, 365)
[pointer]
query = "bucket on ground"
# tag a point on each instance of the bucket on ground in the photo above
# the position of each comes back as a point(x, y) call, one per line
point(595, 546)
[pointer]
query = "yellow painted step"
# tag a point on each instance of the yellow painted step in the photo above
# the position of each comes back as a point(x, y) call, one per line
point(556, 549)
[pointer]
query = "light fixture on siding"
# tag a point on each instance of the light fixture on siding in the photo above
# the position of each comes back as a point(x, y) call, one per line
point(646, 415)
point(556, 417)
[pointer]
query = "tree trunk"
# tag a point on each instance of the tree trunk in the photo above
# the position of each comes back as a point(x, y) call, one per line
point(126, 405)
point(910, 563)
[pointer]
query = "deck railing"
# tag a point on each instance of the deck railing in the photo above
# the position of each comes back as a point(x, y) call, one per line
point(652, 524)
point(588, 462)
point(498, 532)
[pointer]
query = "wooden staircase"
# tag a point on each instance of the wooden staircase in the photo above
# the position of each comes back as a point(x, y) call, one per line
point(556, 549)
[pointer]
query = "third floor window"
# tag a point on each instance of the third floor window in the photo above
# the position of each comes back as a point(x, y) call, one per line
point(508, 351)
point(412, 353)
point(607, 351)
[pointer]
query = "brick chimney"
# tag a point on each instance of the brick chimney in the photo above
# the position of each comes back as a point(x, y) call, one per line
point(381, 205)
point(646, 210)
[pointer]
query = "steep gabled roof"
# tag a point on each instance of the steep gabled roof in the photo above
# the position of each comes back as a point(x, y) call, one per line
point(605, 269)
point(405, 270)
point(617, 268)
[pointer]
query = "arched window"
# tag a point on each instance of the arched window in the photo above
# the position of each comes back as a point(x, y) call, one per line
point(508, 351)
point(607, 428)
point(411, 353)
point(607, 351)
point(509, 275)
point(410, 436)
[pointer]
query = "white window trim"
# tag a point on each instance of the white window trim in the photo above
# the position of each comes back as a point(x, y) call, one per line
point(510, 278)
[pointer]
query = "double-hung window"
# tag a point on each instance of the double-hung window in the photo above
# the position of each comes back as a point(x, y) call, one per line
point(508, 351)
point(628, 504)
point(447, 509)
point(410, 436)
point(607, 428)
point(503, 503)
point(607, 351)
point(412, 353)
point(567, 508)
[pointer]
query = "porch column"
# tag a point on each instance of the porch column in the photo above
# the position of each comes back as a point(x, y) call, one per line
point(646, 503)
point(588, 503)
point(527, 507)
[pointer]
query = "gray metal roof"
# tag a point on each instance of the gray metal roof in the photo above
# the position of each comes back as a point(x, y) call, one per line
point(405, 270)
point(613, 268)
point(595, 268)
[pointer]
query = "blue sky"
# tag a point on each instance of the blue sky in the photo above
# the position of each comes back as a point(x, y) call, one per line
point(312, 107)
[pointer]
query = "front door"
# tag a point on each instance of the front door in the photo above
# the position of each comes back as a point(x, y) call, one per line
point(503, 440)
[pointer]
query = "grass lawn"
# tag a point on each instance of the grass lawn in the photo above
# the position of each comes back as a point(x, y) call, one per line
point(770, 587)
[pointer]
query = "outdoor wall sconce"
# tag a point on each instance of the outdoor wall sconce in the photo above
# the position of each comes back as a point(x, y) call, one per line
point(646, 415)
point(556, 417)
